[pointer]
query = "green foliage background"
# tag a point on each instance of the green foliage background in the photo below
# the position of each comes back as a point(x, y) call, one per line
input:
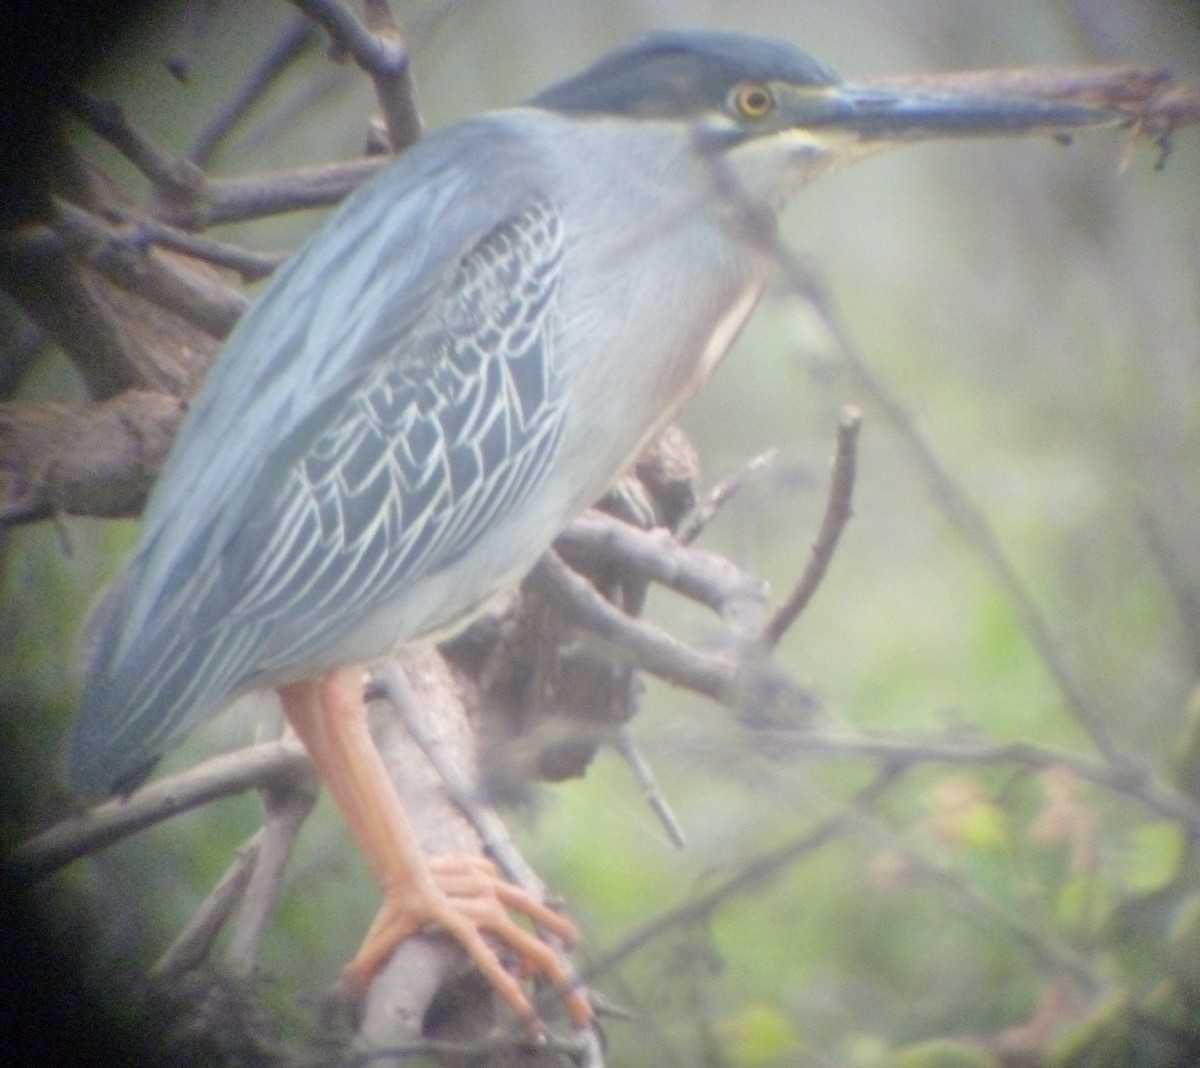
point(1037, 313)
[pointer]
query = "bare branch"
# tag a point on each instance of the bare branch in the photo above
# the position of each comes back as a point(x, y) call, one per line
point(748, 877)
point(37, 270)
point(222, 776)
point(909, 750)
point(173, 178)
point(193, 944)
point(224, 200)
point(380, 49)
point(712, 580)
point(98, 460)
point(286, 805)
point(639, 642)
point(970, 521)
point(837, 514)
point(199, 297)
point(250, 265)
point(297, 37)
point(643, 773)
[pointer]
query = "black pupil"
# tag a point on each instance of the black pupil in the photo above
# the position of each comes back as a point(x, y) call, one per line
point(755, 101)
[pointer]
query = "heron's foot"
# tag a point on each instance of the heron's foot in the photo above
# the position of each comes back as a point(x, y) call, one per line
point(469, 900)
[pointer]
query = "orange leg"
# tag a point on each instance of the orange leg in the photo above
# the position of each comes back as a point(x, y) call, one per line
point(461, 894)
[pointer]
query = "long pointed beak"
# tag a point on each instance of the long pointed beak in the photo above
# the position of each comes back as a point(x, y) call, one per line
point(879, 114)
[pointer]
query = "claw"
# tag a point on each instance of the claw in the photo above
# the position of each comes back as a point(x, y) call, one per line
point(461, 894)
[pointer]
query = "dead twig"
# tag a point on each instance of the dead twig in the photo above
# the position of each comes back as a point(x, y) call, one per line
point(721, 494)
point(297, 37)
point(748, 877)
point(286, 805)
point(110, 821)
point(966, 517)
point(193, 944)
point(708, 578)
point(837, 513)
point(380, 48)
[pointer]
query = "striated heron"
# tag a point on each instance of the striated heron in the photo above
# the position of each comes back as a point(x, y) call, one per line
point(464, 357)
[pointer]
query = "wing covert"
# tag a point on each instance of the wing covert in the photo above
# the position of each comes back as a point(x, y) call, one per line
point(424, 456)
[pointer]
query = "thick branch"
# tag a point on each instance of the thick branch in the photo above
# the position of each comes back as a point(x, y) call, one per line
point(706, 577)
point(124, 258)
point(224, 200)
point(36, 268)
point(98, 460)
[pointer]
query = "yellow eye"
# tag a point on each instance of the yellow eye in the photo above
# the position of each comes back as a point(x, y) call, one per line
point(752, 100)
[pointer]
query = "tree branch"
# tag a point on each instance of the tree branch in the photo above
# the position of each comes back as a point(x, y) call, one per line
point(379, 48)
point(110, 821)
point(837, 514)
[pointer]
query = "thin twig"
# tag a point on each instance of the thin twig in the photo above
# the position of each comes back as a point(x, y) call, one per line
point(837, 513)
point(193, 944)
point(249, 265)
point(1049, 954)
point(379, 48)
point(295, 39)
point(750, 876)
point(286, 805)
point(625, 744)
point(172, 177)
point(960, 511)
point(721, 494)
point(910, 750)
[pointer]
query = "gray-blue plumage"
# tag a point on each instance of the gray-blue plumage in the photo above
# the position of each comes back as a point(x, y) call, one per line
point(342, 446)
point(467, 353)
point(328, 492)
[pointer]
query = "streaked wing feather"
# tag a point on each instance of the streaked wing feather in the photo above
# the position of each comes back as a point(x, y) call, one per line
point(401, 489)
point(379, 481)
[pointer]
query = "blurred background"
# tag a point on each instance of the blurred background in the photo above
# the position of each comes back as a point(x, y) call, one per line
point(1034, 311)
